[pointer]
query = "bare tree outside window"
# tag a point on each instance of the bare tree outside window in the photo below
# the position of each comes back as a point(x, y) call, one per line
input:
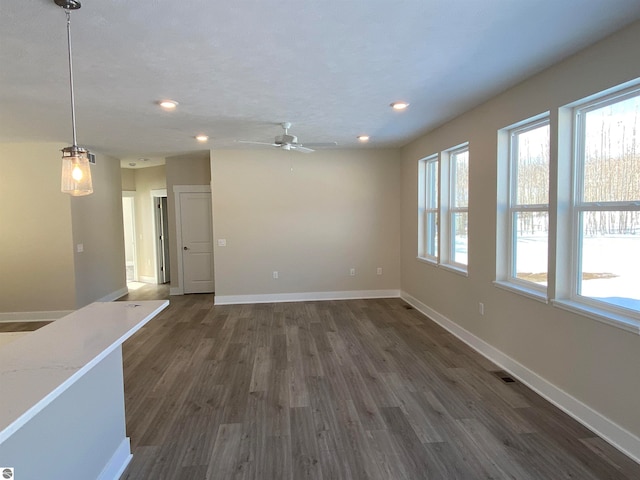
point(607, 202)
point(529, 202)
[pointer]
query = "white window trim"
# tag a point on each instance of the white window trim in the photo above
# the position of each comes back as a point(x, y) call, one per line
point(566, 290)
point(447, 235)
point(424, 183)
point(505, 234)
point(601, 315)
point(513, 208)
point(563, 214)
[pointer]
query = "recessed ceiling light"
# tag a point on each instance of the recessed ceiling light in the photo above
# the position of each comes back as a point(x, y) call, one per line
point(168, 104)
point(399, 105)
point(132, 164)
point(202, 138)
point(363, 138)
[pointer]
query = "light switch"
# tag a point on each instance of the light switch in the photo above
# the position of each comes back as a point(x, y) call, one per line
point(222, 242)
point(80, 247)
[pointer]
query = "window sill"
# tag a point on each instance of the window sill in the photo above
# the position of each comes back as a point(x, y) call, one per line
point(451, 268)
point(455, 269)
point(603, 316)
point(428, 261)
point(521, 290)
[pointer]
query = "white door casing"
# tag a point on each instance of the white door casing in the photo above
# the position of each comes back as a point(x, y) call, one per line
point(194, 225)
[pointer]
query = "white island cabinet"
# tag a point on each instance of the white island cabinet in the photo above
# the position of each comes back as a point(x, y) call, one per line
point(62, 394)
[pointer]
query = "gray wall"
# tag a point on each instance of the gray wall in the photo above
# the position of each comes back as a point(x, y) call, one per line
point(595, 363)
point(310, 217)
point(42, 226)
point(145, 180)
point(128, 179)
point(191, 169)
point(36, 247)
point(97, 224)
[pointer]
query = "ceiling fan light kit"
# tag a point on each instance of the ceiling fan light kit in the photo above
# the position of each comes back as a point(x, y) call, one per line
point(68, 4)
point(289, 142)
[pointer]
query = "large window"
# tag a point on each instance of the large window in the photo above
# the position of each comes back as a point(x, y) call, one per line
point(443, 208)
point(528, 200)
point(605, 211)
point(568, 219)
point(428, 209)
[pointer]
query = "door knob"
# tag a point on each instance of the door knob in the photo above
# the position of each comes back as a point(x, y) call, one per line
point(185, 248)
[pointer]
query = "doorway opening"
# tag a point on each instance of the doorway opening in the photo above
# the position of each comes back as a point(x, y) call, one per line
point(161, 230)
point(129, 223)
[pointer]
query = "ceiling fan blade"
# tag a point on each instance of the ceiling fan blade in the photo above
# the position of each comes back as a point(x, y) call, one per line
point(321, 144)
point(257, 143)
point(300, 148)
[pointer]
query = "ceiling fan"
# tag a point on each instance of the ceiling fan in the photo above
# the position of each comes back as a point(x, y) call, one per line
point(290, 142)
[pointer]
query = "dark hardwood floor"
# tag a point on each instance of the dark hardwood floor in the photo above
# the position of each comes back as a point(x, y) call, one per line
point(20, 326)
point(362, 389)
point(366, 389)
point(146, 291)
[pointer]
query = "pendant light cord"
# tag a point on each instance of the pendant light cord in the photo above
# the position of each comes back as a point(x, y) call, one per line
point(73, 100)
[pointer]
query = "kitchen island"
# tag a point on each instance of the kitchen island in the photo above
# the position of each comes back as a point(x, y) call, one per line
point(62, 394)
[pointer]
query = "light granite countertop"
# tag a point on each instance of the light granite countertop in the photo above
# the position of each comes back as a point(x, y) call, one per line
point(36, 368)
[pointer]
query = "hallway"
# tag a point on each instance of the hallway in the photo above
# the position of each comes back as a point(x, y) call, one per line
point(146, 291)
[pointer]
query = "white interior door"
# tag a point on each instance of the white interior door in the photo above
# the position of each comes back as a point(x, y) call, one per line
point(197, 242)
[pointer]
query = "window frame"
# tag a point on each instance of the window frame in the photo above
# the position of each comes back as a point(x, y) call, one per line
point(428, 239)
point(449, 209)
point(578, 206)
point(513, 207)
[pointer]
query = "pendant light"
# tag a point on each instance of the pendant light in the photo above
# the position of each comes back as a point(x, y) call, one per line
point(76, 171)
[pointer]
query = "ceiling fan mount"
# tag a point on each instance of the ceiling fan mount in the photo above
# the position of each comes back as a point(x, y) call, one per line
point(68, 4)
point(289, 142)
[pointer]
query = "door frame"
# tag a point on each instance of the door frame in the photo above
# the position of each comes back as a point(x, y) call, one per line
point(160, 192)
point(177, 190)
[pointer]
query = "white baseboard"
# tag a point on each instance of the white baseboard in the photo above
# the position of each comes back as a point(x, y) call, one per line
point(304, 296)
point(175, 291)
point(144, 279)
point(118, 462)
point(114, 295)
point(33, 316)
point(622, 439)
point(53, 315)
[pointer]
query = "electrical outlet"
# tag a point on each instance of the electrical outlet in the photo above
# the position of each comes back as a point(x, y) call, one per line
point(352, 272)
point(481, 308)
point(275, 275)
point(379, 271)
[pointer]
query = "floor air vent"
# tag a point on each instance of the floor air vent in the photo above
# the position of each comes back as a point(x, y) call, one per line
point(504, 376)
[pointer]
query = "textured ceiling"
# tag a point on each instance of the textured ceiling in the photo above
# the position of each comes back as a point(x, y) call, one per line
point(239, 68)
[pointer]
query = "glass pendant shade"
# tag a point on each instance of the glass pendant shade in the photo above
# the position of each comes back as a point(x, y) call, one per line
point(76, 172)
